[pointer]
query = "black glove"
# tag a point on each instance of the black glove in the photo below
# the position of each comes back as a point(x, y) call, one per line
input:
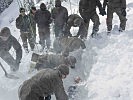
point(123, 12)
point(102, 12)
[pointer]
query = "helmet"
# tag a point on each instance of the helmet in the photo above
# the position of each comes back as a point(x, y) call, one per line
point(71, 60)
point(64, 69)
point(21, 10)
point(57, 3)
point(42, 6)
point(77, 22)
point(5, 32)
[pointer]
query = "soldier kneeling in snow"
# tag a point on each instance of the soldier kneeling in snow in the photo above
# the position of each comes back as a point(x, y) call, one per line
point(6, 42)
point(52, 60)
point(45, 83)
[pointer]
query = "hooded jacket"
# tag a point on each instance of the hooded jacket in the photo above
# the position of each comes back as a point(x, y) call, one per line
point(44, 83)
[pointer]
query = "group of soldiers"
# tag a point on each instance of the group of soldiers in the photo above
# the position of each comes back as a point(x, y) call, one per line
point(55, 68)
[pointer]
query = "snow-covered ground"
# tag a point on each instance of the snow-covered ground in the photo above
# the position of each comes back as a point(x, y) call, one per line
point(106, 67)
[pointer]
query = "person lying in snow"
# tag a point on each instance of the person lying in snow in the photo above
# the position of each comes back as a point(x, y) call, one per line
point(52, 60)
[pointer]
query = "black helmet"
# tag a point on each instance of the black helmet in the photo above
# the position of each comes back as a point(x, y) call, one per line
point(42, 6)
point(64, 69)
point(57, 3)
point(5, 32)
point(21, 10)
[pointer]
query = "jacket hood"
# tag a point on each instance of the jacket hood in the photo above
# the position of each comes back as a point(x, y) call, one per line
point(64, 69)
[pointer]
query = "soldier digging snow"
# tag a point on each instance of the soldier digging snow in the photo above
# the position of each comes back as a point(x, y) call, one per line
point(87, 10)
point(119, 7)
point(6, 42)
point(59, 16)
point(52, 60)
point(43, 20)
point(75, 21)
point(23, 23)
point(45, 83)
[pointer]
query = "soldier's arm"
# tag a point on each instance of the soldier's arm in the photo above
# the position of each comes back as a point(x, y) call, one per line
point(17, 47)
point(123, 4)
point(53, 13)
point(66, 14)
point(60, 93)
point(99, 4)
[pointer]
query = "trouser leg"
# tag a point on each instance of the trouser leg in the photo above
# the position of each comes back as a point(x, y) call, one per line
point(7, 57)
point(42, 39)
point(31, 41)
point(24, 37)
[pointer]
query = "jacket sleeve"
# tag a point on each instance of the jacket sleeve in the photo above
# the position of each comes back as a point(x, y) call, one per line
point(66, 15)
point(60, 93)
point(53, 14)
point(104, 4)
point(18, 24)
point(123, 4)
point(99, 4)
point(17, 47)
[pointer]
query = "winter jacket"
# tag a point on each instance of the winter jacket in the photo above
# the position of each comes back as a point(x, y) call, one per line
point(70, 23)
point(68, 44)
point(115, 3)
point(23, 23)
point(50, 61)
point(11, 42)
point(59, 15)
point(32, 20)
point(43, 18)
point(88, 7)
point(44, 83)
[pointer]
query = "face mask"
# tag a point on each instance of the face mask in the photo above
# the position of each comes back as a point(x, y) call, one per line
point(4, 38)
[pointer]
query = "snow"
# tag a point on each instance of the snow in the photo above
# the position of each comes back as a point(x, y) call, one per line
point(106, 66)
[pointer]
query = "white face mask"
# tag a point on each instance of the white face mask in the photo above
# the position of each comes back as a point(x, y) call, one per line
point(4, 38)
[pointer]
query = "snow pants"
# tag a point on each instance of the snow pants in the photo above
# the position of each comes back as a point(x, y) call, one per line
point(118, 11)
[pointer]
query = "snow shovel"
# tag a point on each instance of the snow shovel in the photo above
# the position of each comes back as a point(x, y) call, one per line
point(8, 75)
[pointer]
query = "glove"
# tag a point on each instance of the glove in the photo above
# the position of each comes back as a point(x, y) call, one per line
point(102, 12)
point(123, 12)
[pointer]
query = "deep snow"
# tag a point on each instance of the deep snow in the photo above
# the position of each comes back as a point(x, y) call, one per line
point(106, 67)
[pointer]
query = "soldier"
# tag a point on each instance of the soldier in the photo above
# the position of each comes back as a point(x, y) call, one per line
point(59, 16)
point(32, 23)
point(52, 60)
point(6, 42)
point(75, 21)
point(66, 45)
point(23, 23)
point(43, 20)
point(45, 83)
point(87, 10)
point(119, 7)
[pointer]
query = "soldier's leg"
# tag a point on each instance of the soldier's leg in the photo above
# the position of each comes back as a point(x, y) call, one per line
point(56, 29)
point(110, 12)
point(122, 19)
point(42, 39)
point(31, 41)
point(96, 23)
point(47, 37)
point(7, 57)
point(24, 37)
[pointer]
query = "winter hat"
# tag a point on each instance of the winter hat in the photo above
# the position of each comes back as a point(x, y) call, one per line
point(21, 10)
point(64, 69)
point(71, 60)
point(5, 32)
point(57, 3)
point(42, 6)
point(33, 8)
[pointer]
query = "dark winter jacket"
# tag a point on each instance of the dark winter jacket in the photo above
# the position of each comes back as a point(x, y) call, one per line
point(44, 83)
point(23, 23)
point(88, 7)
point(115, 3)
point(43, 18)
point(59, 15)
point(70, 23)
point(11, 42)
